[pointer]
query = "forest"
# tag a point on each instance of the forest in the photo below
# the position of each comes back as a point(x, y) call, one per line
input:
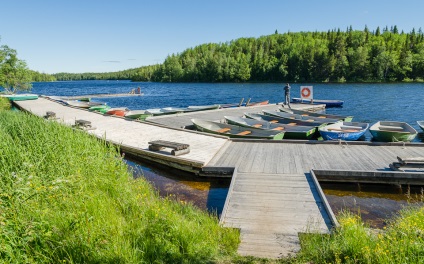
point(385, 55)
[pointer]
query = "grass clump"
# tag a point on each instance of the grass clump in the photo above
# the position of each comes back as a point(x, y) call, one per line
point(65, 197)
point(401, 242)
point(4, 103)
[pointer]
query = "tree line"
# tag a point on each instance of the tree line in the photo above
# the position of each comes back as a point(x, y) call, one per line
point(385, 55)
point(334, 56)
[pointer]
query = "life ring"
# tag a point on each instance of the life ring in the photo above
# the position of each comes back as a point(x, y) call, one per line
point(306, 92)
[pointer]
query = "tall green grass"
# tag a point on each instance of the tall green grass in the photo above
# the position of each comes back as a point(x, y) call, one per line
point(4, 103)
point(402, 241)
point(65, 197)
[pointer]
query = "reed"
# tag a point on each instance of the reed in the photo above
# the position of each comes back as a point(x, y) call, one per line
point(66, 197)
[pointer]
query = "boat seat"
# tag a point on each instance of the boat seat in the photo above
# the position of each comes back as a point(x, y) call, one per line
point(257, 125)
point(309, 120)
point(278, 128)
point(273, 121)
point(243, 133)
point(351, 127)
point(304, 115)
point(321, 116)
point(224, 130)
point(343, 130)
point(292, 124)
point(391, 128)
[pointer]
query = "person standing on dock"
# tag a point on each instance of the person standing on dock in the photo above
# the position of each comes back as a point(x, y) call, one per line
point(287, 95)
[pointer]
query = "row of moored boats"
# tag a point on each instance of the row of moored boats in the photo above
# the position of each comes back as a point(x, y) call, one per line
point(298, 124)
point(283, 123)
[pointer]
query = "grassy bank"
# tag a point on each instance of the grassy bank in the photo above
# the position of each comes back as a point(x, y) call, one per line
point(402, 241)
point(66, 198)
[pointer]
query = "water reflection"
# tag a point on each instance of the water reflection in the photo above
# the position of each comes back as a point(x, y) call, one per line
point(375, 203)
point(205, 193)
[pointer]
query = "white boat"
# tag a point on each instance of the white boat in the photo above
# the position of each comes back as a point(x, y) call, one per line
point(82, 104)
point(202, 107)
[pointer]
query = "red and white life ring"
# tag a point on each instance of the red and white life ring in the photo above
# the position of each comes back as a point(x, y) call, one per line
point(306, 92)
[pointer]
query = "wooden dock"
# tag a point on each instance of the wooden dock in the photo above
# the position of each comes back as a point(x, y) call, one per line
point(274, 193)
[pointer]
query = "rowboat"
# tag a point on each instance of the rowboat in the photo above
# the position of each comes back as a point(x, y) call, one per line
point(320, 115)
point(137, 114)
point(392, 131)
point(349, 131)
point(82, 104)
point(157, 111)
point(421, 124)
point(202, 107)
point(291, 132)
point(119, 111)
point(100, 108)
point(275, 119)
point(257, 103)
point(20, 97)
point(300, 117)
point(328, 103)
point(236, 131)
point(173, 110)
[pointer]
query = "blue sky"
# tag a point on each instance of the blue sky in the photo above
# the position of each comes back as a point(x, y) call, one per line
point(102, 36)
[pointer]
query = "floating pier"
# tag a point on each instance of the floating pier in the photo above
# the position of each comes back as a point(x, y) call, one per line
point(274, 193)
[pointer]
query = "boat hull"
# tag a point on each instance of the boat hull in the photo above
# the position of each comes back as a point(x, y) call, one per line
point(328, 103)
point(291, 132)
point(421, 124)
point(236, 131)
point(348, 131)
point(20, 97)
point(392, 131)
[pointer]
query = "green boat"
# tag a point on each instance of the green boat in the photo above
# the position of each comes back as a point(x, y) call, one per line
point(236, 131)
point(314, 114)
point(392, 131)
point(138, 114)
point(20, 97)
point(100, 108)
point(291, 131)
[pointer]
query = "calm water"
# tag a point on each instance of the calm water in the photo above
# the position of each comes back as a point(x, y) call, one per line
point(366, 102)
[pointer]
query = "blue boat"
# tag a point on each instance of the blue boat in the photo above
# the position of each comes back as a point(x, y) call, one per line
point(348, 131)
point(328, 103)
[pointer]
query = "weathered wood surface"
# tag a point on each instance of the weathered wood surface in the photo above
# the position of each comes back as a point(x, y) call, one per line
point(296, 158)
point(131, 134)
point(272, 197)
point(271, 209)
point(184, 119)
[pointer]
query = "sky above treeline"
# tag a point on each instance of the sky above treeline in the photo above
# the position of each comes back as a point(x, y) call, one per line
point(79, 36)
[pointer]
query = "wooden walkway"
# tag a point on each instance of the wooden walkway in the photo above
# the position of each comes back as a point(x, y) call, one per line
point(133, 136)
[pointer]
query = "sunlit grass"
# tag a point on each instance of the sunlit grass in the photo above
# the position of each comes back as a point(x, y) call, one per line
point(4, 103)
point(66, 197)
point(402, 241)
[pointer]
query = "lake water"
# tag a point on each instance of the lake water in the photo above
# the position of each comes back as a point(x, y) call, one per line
point(366, 102)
